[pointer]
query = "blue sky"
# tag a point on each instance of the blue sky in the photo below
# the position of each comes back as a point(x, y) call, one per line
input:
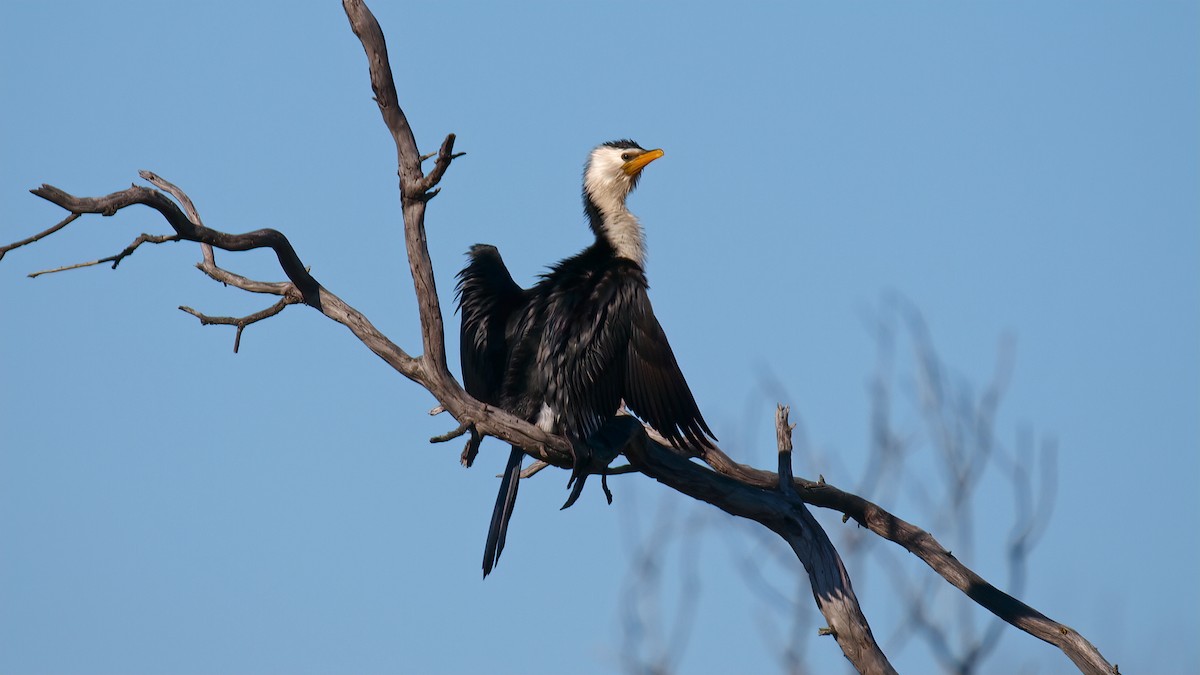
point(1011, 169)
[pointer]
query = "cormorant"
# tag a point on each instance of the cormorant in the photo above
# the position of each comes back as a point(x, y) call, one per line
point(565, 353)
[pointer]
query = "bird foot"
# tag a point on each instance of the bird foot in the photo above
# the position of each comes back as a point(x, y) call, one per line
point(578, 489)
point(594, 457)
point(579, 471)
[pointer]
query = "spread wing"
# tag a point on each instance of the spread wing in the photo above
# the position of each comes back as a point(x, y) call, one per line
point(655, 388)
point(487, 296)
point(601, 344)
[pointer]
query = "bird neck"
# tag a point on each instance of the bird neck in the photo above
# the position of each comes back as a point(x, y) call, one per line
point(616, 225)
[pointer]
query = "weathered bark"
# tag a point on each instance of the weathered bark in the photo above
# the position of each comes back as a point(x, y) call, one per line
point(779, 508)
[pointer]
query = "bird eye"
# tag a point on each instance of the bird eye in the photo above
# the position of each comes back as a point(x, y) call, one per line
point(625, 156)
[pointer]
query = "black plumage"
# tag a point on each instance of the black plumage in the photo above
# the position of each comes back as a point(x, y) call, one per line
point(565, 353)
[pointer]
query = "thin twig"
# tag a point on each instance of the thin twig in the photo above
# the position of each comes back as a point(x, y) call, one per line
point(445, 155)
point(44, 233)
point(533, 468)
point(114, 259)
point(241, 322)
point(452, 434)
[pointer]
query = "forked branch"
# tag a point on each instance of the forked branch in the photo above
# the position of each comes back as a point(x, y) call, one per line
point(114, 259)
point(187, 230)
point(240, 322)
point(779, 508)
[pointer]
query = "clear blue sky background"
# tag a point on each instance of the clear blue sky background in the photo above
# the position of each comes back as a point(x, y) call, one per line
point(1029, 169)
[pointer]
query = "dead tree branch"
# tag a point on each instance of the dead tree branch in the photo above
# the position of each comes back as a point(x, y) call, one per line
point(114, 259)
point(185, 229)
point(780, 509)
point(40, 235)
point(923, 545)
point(241, 322)
point(732, 487)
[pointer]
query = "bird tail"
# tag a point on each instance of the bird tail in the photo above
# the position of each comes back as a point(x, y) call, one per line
point(506, 500)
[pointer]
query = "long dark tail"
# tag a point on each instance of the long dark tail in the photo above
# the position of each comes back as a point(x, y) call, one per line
point(506, 500)
point(487, 297)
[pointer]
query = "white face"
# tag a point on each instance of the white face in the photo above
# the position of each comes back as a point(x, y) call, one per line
point(605, 177)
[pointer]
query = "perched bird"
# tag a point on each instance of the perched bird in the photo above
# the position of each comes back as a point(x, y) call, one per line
point(565, 353)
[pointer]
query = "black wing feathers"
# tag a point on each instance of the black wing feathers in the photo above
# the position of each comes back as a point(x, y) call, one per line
point(487, 296)
point(655, 387)
point(584, 338)
point(610, 347)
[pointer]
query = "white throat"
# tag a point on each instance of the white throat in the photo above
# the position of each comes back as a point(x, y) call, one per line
point(619, 225)
point(625, 233)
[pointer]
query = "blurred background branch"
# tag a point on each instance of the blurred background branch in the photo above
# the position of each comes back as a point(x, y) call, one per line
point(934, 448)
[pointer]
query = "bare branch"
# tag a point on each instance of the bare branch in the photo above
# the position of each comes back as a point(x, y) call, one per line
point(452, 434)
point(188, 207)
point(533, 468)
point(445, 155)
point(923, 545)
point(783, 438)
point(186, 229)
point(241, 322)
point(180, 196)
point(366, 27)
point(413, 186)
point(784, 514)
point(40, 235)
point(238, 281)
point(114, 259)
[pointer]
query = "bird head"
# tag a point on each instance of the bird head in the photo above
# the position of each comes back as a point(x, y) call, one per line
point(613, 170)
point(611, 173)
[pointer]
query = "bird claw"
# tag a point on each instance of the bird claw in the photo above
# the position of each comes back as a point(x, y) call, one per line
point(594, 456)
point(579, 471)
point(575, 492)
point(471, 449)
point(578, 490)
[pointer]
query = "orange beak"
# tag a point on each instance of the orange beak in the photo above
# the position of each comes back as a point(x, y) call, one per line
point(634, 166)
